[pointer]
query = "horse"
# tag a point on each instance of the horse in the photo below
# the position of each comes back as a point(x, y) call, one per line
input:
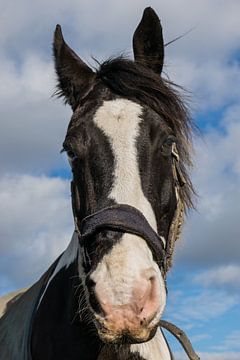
point(129, 147)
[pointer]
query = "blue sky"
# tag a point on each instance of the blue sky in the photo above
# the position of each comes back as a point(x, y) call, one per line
point(36, 221)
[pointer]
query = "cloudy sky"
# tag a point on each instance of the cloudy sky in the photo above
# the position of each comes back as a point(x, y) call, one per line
point(36, 222)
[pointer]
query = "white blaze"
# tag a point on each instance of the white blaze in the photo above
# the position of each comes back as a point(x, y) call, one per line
point(120, 121)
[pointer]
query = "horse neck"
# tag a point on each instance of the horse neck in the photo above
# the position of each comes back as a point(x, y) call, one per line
point(59, 331)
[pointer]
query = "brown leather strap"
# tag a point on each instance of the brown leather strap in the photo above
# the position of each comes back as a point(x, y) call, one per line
point(181, 337)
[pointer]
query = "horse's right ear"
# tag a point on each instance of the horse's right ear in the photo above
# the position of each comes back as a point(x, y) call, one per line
point(75, 78)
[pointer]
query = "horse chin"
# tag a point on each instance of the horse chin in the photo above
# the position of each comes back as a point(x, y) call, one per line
point(126, 337)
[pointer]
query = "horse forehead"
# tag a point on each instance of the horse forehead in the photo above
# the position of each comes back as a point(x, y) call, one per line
point(119, 119)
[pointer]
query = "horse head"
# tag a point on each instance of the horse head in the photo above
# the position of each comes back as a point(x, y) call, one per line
point(128, 145)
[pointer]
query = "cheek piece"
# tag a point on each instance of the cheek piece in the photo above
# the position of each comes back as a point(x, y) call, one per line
point(128, 219)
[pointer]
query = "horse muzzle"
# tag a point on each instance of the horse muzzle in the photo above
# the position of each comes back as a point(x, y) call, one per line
point(119, 328)
point(133, 321)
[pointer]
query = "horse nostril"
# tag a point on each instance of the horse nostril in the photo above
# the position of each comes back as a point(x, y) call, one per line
point(90, 283)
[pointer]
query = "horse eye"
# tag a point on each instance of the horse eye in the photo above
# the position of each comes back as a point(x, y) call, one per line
point(166, 148)
point(170, 140)
point(71, 154)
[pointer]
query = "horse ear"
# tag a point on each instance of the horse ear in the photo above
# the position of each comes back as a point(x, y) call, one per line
point(74, 76)
point(148, 46)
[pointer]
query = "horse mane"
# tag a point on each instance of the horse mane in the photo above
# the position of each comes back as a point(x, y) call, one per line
point(134, 81)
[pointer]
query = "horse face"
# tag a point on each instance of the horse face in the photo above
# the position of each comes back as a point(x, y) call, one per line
point(122, 155)
point(122, 162)
point(120, 151)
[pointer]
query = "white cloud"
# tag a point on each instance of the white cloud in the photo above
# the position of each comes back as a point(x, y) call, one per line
point(30, 81)
point(33, 125)
point(211, 233)
point(230, 343)
point(202, 306)
point(212, 82)
point(206, 315)
point(227, 276)
point(35, 226)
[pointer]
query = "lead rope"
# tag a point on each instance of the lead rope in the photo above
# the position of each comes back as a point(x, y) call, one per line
point(180, 335)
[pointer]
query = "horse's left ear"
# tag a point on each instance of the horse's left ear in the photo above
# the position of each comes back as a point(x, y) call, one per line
point(148, 45)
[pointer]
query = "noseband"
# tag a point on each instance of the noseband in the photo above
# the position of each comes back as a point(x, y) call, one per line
point(122, 218)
